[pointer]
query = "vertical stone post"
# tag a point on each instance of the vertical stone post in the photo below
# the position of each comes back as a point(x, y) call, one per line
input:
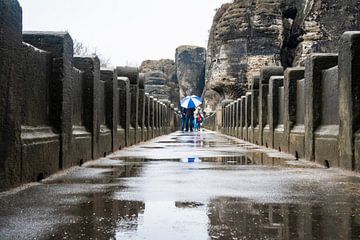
point(60, 46)
point(133, 75)
point(273, 108)
point(247, 115)
point(242, 117)
point(91, 77)
point(10, 92)
point(291, 78)
point(237, 117)
point(231, 111)
point(156, 118)
point(141, 116)
point(171, 118)
point(147, 117)
point(314, 65)
point(124, 107)
point(265, 75)
point(254, 108)
point(152, 117)
point(112, 105)
point(349, 110)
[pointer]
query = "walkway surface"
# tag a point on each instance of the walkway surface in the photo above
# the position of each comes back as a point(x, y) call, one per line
point(200, 185)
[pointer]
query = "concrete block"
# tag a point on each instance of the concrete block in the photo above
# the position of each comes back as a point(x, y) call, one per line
point(105, 134)
point(81, 139)
point(10, 92)
point(314, 65)
point(349, 92)
point(112, 106)
point(254, 108)
point(292, 100)
point(273, 110)
point(247, 126)
point(133, 75)
point(124, 108)
point(265, 75)
point(141, 117)
point(90, 65)
point(147, 117)
point(152, 126)
point(326, 135)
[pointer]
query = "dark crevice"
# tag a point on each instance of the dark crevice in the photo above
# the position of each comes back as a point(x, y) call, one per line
point(327, 164)
point(40, 177)
point(292, 36)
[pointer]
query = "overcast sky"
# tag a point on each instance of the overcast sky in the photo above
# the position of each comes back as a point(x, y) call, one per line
point(127, 32)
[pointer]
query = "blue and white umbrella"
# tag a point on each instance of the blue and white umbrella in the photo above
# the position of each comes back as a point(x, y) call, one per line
point(191, 102)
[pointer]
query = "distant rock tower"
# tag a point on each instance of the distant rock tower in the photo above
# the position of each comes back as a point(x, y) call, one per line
point(190, 69)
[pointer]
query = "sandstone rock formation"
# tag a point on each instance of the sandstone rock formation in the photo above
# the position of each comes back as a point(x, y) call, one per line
point(160, 79)
point(249, 34)
point(190, 68)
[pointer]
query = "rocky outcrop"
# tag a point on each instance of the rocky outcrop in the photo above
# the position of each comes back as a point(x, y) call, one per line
point(160, 79)
point(249, 34)
point(190, 68)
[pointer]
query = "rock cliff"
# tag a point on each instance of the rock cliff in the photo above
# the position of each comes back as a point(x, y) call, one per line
point(190, 68)
point(160, 79)
point(249, 34)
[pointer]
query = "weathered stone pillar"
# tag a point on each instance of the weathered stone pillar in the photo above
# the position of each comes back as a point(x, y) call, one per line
point(141, 117)
point(156, 118)
point(91, 77)
point(265, 75)
point(247, 116)
point(105, 134)
point(124, 108)
point(292, 106)
point(237, 117)
point(242, 117)
point(112, 109)
point(314, 65)
point(273, 109)
point(171, 118)
point(152, 118)
point(254, 108)
point(231, 117)
point(147, 117)
point(10, 86)
point(59, 46)
point(349, 91)
point(225, 115)
point(228, 119)
point(133, 75)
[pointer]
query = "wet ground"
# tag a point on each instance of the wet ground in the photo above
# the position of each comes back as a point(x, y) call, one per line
point(199, 185)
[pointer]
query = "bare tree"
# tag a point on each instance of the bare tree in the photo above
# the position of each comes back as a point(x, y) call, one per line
point(82, 50)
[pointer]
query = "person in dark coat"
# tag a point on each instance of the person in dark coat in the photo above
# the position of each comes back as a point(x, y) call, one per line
point(183, 118)
point(190, 119)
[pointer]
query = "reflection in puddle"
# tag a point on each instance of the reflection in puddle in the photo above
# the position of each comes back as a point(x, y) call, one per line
point(231, 217)
point(190, 160)
point(222, 218)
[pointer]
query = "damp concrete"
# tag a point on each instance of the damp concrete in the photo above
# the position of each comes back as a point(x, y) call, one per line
point(198, 185)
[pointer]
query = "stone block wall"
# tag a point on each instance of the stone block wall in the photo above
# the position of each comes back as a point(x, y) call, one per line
point(58, 110)
point(312, 112)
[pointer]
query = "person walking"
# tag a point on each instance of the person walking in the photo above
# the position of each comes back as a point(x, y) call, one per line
point(199, 120)
point(190, 119)
point(183, 118)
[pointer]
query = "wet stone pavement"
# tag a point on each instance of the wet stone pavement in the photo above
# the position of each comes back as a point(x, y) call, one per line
point(200, 185)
